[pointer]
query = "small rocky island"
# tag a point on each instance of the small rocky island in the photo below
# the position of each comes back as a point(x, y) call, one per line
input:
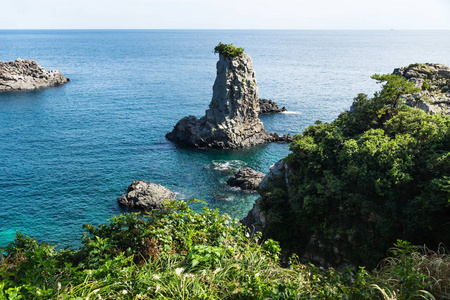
point(24, 74)
point(232, 118)
point(145, 195)
point(246, 179)
point(269, 107)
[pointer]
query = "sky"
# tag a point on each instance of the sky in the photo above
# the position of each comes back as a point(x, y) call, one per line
point(225, 14)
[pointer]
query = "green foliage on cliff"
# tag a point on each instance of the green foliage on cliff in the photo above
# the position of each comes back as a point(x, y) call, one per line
point(228, 50)
point(176, 253)
point(376, 174)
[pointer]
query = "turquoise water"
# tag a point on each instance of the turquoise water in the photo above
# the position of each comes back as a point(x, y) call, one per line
point(67, 153)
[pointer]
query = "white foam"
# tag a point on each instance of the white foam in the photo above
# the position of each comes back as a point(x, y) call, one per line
point(291, 112)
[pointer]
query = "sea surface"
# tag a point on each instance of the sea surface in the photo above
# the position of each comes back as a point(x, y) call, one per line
point(67, 153)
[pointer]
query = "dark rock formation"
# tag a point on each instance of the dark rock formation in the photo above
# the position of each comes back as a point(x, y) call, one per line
point(269, 107)
point(232, 118)
point(254, 220)
point(25, 74)
point(246, 179)
point(145, 195)
point(434, 80)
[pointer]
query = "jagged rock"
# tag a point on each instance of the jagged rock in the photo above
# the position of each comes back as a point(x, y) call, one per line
point(269, 107)
point(246, 179)
point(254, 220)
point(232, 118)
point(145, 195)
point(434, 80)
point(24, 74)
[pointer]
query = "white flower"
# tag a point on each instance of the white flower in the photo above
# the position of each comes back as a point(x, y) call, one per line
point(156, 277)
point(59, 286)
point(178, 271)
point(124, 292)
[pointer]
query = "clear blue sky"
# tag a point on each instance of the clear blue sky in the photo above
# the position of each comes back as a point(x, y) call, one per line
point(225, 14)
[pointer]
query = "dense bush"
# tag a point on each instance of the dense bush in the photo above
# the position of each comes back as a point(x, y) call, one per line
point(374, 175)
point(228, 50)
point(179, 254)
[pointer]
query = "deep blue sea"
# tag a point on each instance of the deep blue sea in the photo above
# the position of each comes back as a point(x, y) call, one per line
point(67, 153)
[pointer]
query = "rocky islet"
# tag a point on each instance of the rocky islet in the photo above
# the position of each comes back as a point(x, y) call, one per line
point(24, 74)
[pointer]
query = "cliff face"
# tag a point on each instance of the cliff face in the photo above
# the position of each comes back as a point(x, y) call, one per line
point(232, 118)
point(434, 80)
point(25, 74)
point(298, 192)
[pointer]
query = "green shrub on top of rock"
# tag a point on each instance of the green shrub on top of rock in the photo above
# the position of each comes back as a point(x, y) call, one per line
point(228, 50)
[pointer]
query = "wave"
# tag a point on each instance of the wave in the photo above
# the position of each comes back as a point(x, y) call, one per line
point(291, 112)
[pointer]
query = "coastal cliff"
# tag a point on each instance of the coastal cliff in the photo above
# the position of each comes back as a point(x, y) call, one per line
point(232, 118)
point(24, 74)
point(380, 172)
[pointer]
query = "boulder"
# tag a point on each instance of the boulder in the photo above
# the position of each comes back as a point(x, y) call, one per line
point(145, 195)
point(246, 179)
point(232, 118)
point(24, 74)
point(269, 107)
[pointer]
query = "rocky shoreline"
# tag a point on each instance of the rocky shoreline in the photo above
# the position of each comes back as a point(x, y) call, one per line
point(24, 74)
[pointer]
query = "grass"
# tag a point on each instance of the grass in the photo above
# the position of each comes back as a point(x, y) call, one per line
point(176, 253)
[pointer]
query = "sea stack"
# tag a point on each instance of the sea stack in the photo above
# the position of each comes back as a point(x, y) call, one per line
point(232, 118)
point(24, 74)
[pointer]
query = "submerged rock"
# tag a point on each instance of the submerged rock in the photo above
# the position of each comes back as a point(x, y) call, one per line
point(434, 80)
point(232, 118)
point(269, 107)
point(24, 74)
point(145, 195)
point(246, 179)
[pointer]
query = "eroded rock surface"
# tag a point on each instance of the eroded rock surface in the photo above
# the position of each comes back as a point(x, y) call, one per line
point(145, 195)
point(246, 179)
point(434, 80)
point(269, 107)
point(24, 74)
point(232, 118)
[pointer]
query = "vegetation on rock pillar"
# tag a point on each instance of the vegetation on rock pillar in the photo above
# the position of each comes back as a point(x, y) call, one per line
point(228, 50)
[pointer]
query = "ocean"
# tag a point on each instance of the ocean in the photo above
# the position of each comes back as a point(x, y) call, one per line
point(67, 153)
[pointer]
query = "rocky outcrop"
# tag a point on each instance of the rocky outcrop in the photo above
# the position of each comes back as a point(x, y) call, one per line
point(246, 179)
point(24, 74)
point(269, 107)
point(145, 195)
point(255, 219)
point(232, 118)
point(434, 80)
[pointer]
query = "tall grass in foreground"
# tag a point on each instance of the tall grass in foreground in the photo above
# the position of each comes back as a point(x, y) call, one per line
point(176, 253)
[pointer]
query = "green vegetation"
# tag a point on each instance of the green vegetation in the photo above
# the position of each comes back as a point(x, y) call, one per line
point(229, 50)
point(176, 253)
point(374, 175)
